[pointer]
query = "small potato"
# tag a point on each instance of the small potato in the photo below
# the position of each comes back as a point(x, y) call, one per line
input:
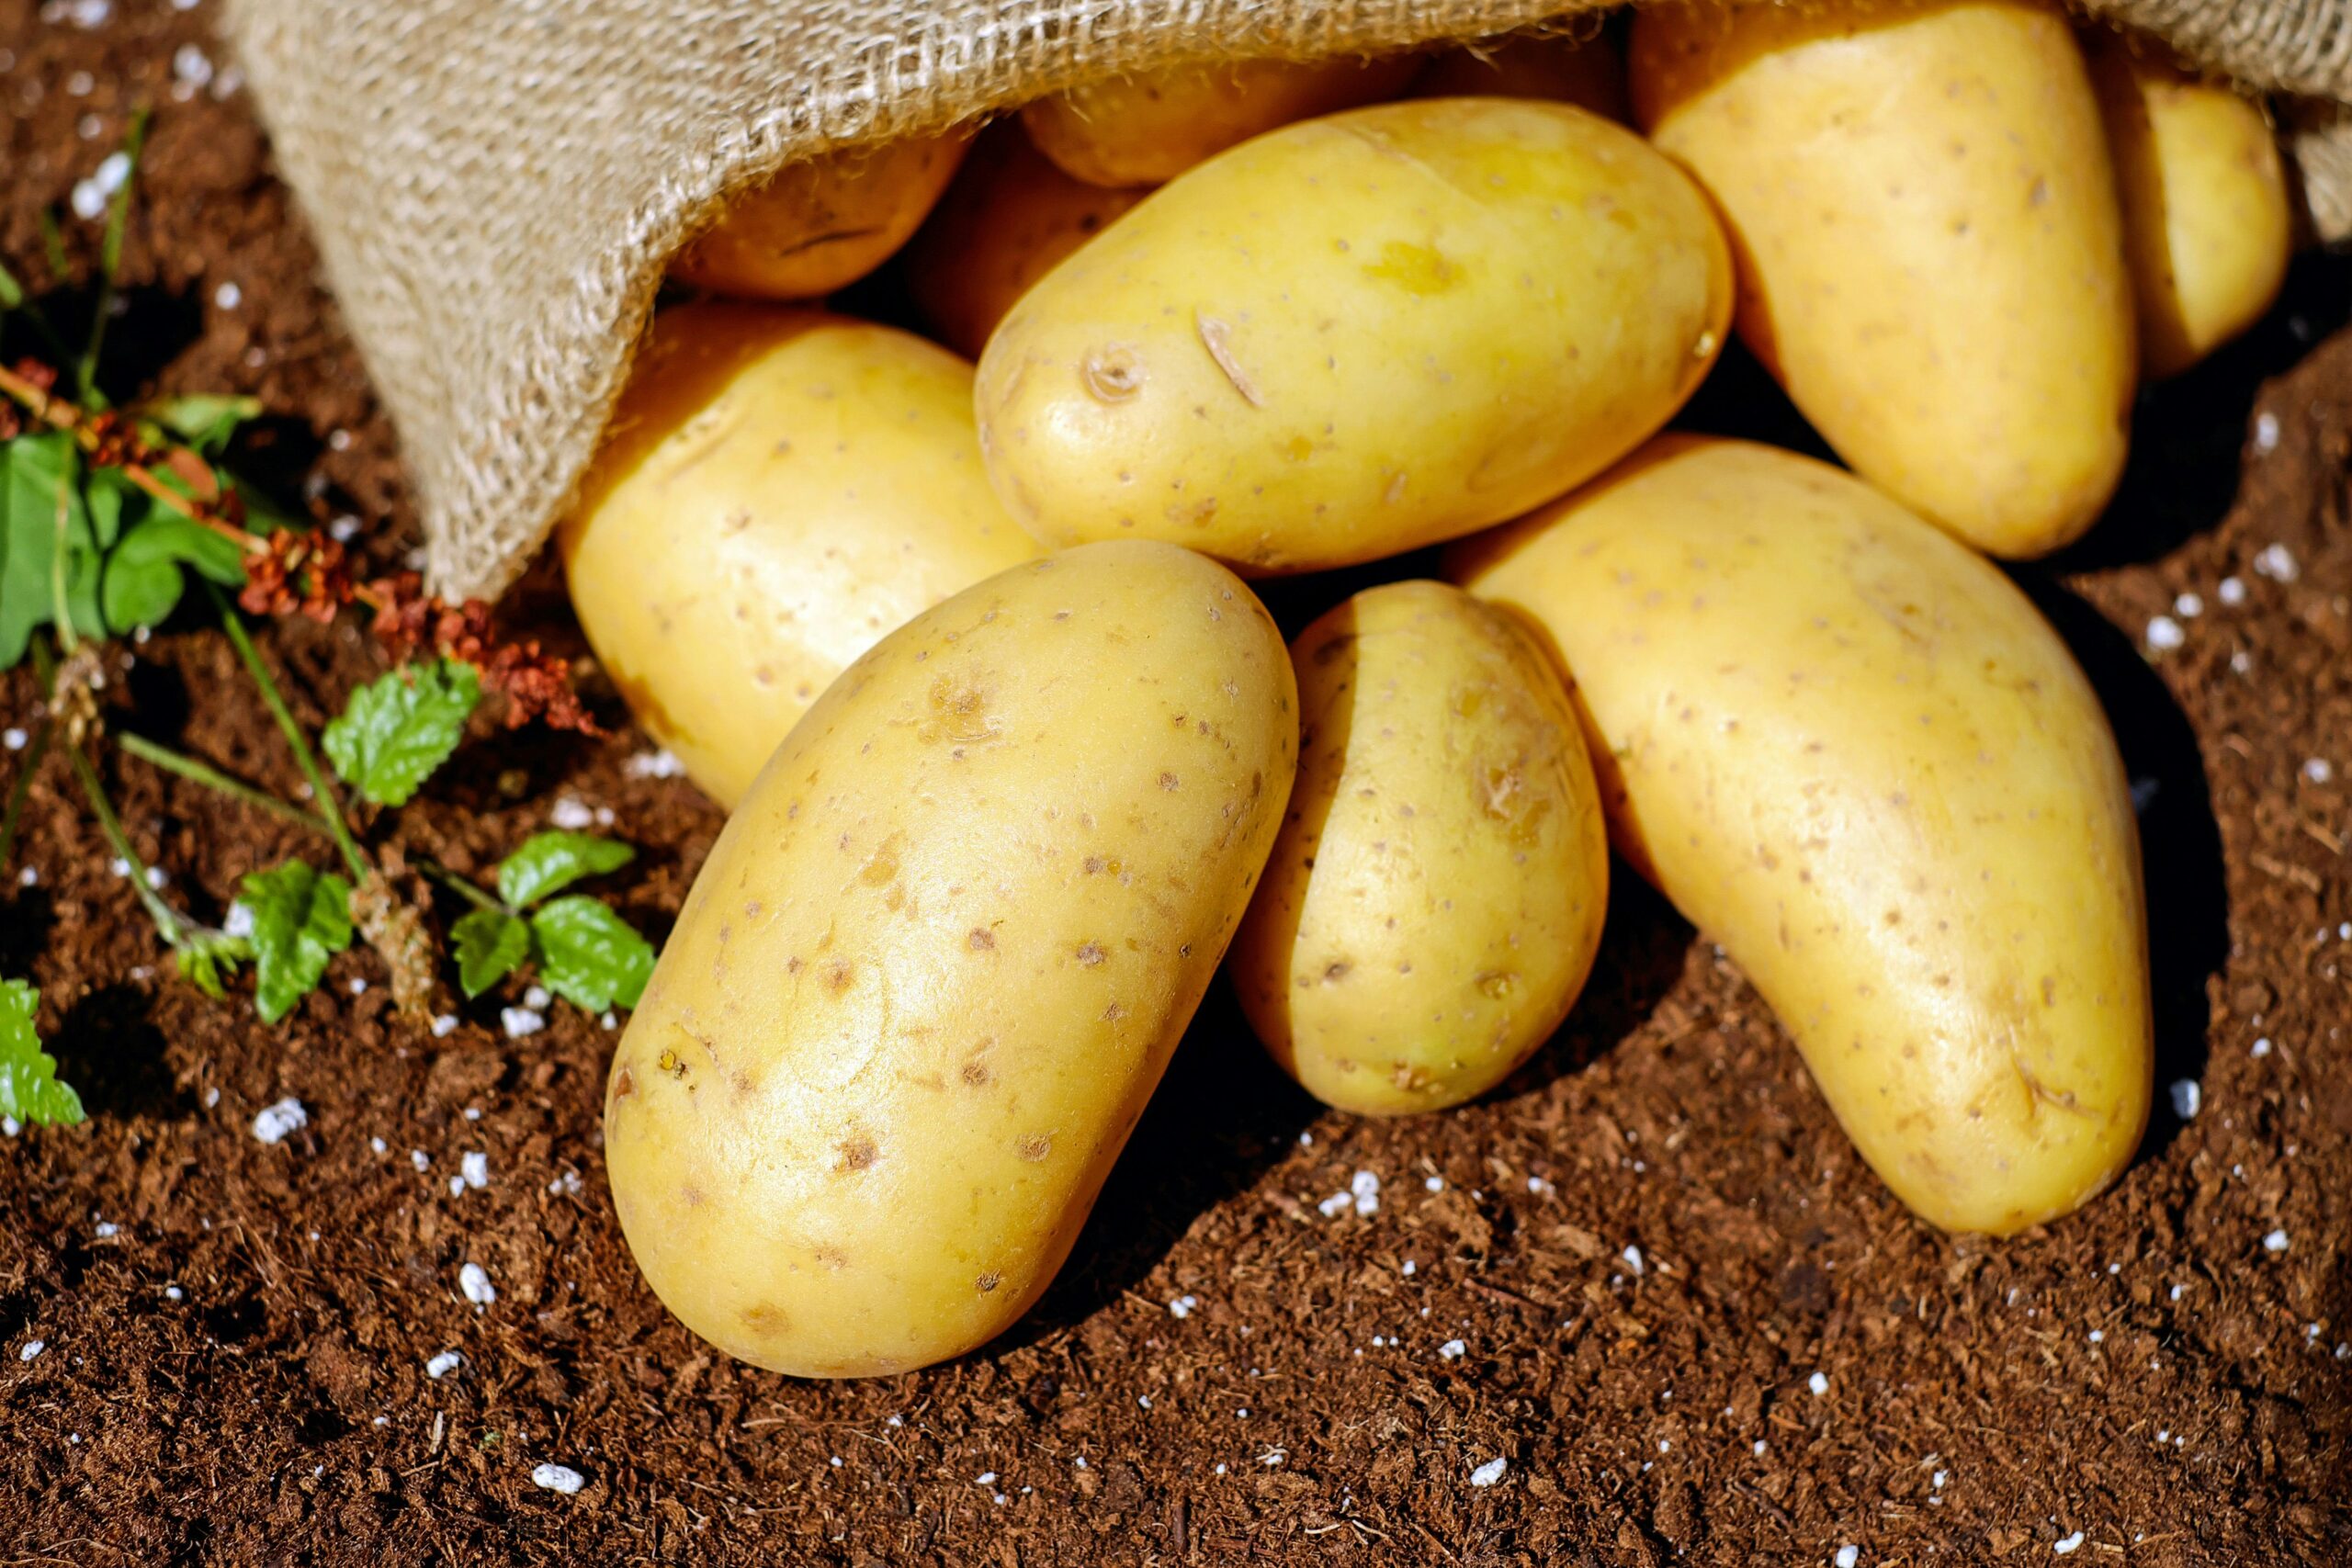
point(1588, 72)
point(2206, 221)
point(1851, 751)
point(823, 224)
point(1433, 904)
point(777, 489)
point(938, 958)
point(1931, 260)
point(1146, 129)
point(1358, 335)
point(1009, 217)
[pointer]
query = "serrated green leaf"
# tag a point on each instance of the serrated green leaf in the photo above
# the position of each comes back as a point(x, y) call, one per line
point(545, 861)
point(28, 1087)
point(398, 728)
point(490, 943)
point(206, 420)
point(590, 955)
point(301, 919)
point(35, 471)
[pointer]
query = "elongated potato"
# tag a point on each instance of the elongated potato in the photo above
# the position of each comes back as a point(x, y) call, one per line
point(1358, 335)
point(823, 224)
point(2206, 221)
point(937, 959)
point(1147, 129)
point(1433, 904)
point(1008, 218)
point(1931, 260)
point(778, 489)
point(1587, 71)
point(1852, 752)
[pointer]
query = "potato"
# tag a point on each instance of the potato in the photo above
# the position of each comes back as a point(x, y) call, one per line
point(1147, 129)
point(1852, 752)
point(937, 959)
point(823, 224)
point(1588, 71)
point(777, 489)
point(1357, 336)
point(1432, 905)
point(1008, 218)
point(2206, 221)
point(1930, 256)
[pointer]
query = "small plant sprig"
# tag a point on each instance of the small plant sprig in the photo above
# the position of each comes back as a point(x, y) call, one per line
point(105, 515)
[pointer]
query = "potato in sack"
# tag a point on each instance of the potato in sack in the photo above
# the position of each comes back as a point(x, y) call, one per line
point(1853, 753)
point(777, 489)
point(939, 957)
point(1358, 335)
point(1434, 902)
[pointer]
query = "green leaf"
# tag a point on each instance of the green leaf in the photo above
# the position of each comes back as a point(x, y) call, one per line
point(207, 957)
point(590, 955)
point(301, 919)
point(398, 728)
point(34, 471)
point(490, 943)
point(28, 1087)
point(548, 861)
point(206, 420)
point(143, 577)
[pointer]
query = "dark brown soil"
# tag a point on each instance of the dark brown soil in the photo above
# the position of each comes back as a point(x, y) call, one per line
point(235, 1334)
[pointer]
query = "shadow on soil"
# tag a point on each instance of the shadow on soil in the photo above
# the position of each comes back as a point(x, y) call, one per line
point(110, 1049)
point(1222, 1117)
point(2180, 844)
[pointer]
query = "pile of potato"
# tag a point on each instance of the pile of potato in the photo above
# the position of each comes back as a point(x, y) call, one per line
point(1015, 755)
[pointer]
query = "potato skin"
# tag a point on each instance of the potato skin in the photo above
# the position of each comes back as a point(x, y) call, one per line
point(1146, 129)
point(1434, 902)
point(777, 489)
point(938, 958)
point(1853, 753)
point(1009, 217)
point(1358, 335)
point(1931, 259)
point(1587, 71)
point(823, 224)
point(2207, 225)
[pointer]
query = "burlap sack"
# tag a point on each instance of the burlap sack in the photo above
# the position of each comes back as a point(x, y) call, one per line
point(495, 185)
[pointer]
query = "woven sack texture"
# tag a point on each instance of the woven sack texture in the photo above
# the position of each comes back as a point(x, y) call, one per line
point(495, 185)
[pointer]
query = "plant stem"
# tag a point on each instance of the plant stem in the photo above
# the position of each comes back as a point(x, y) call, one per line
point(202, 772)
point(169, 924)
point(58, 557)
point(22, 788)
point(330, 811)
point(459, 885)
point(86, 371)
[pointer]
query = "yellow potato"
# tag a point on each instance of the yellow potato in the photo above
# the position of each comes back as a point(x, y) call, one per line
point(1357, 336)
point(1930, 256)
point(1008, 218)
point(2206, 221)
point(1433, 904)
point(823, 224)
point(1852, 752)
point(1588, 72)
point(1144, 130)
point(939, 957)
point(777, 489)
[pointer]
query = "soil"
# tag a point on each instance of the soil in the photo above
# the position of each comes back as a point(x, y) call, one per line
point(235, 1334)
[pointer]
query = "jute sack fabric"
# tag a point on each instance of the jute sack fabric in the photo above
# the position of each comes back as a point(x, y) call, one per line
point(496, 185)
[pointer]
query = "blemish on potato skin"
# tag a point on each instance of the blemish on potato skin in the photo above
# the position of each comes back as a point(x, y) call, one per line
point(1035, 1147)
point(858, 1154)
point(989, 1282)
point(981, 939)
point(839, 971)
point(624, 1083)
